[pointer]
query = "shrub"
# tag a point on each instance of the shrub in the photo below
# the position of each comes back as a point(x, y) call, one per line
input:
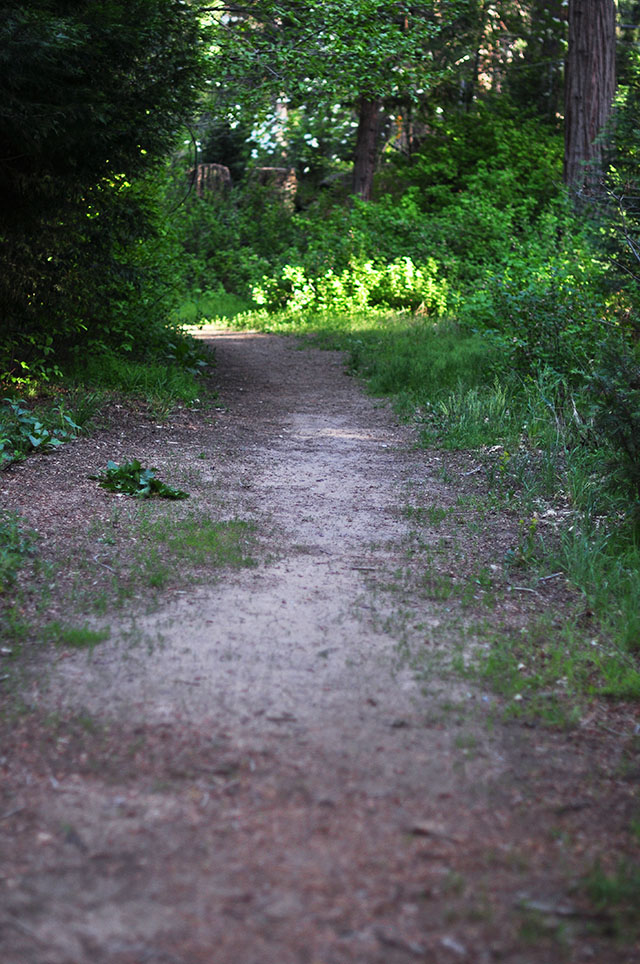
point(362, 284)
point(615, 410)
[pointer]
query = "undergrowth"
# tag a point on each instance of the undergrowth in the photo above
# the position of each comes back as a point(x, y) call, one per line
point(24, 430)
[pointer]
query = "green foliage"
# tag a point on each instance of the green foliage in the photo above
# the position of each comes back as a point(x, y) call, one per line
point(16, 544)
point(132, 479)
point(74, 637)
point(549, 315)
point(399, 284)
point(198, 541)
point(23, 431)
point(224, 143)
point(615, 388)
point(93, 95)
point(470, 151)
point(230, 240)
point(323, 51)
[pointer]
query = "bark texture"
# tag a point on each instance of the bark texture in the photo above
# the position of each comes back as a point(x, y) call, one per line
point(589, 88)
point(366, 148)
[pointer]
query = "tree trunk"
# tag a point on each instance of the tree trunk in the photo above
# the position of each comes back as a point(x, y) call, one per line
point(366, 148)
point(589, 88)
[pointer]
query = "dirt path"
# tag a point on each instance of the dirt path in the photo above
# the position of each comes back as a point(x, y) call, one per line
point(261, 779)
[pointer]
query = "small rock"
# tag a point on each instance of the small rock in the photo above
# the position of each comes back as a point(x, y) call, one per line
point(454, 946)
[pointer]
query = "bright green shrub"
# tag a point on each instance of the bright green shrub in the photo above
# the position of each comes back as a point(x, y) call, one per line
point(400, 284)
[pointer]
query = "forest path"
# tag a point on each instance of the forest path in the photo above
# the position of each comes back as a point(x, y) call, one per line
point(261, 779)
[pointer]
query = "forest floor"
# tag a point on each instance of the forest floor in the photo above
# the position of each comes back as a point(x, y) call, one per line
point(284, 760)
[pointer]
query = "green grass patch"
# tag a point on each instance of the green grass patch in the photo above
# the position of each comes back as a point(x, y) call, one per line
point(74, 637)
point(197, 542)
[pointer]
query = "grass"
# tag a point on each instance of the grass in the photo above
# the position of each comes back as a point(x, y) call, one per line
point(150, 548)
point(549, 671)
point(163, 384)
point(74, 637)
point(200, 542)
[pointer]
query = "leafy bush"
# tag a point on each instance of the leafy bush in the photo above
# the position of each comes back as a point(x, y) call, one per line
point(463, 150)
point(615, 410)
point(399, 284)
point(549, 303)
point(230, 239)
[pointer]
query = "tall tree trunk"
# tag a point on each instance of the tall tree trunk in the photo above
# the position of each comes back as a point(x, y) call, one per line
point(366, 147)
point(589, 88)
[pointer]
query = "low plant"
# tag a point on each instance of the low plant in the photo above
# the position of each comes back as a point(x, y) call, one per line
point(74, 637)
point(23, 431)
point(131, 478)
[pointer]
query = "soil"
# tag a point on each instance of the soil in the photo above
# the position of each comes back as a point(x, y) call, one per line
point(277, 764)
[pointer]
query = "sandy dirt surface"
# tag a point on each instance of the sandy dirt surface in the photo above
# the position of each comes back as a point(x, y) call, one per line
point(263, 776)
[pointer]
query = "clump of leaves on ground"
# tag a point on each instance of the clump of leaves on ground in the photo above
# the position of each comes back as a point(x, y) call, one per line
point(131, 478)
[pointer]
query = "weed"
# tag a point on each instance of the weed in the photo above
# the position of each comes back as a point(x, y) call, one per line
point(433, 514)
point(132, 479)
point(23, 431)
